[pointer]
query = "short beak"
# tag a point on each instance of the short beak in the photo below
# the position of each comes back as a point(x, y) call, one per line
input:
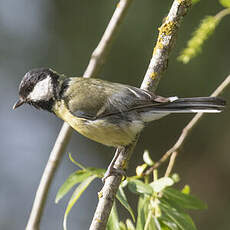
point(18, 103)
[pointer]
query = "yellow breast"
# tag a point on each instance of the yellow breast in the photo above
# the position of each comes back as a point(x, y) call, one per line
point(99, 130)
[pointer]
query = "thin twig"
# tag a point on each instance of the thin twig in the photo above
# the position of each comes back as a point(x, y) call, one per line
point(95, 64)
point(159, 61)
point(171, 163)
point(173, 152)
point(99, 54)
point(222, 13)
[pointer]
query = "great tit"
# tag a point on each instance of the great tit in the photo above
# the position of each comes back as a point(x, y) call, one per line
point(108, 113)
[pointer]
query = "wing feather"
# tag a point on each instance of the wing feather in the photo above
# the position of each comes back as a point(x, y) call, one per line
point(94, 98)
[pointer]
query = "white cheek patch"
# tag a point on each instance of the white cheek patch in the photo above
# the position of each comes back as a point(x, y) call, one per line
point(43, 90)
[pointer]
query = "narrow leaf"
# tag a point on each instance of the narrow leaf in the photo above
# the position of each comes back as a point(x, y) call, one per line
point(137, 186)
point(147, 159)
point(186, 201)
point(72, 180)
point(113, 222)
point(75, 162)
point(129, 225)
point(164, 227)
point(167, 224)
point(157, 223)
point(140, 169)
point(122, 226)
point(160, 184)
point(142, 209)
point(122, 198)
point(182, 220)
point(96, 171)
point(76, 194)
point(150, 224)
point(75, 178)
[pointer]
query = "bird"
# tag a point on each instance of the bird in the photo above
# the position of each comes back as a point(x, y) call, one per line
point(112, 114)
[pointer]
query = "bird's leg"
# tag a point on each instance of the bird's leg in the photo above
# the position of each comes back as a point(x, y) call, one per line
point(111, 170)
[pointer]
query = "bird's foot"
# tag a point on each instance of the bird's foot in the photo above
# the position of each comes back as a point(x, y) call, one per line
point(111, 171)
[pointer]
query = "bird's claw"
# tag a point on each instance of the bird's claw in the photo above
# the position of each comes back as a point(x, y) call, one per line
point(114, 172)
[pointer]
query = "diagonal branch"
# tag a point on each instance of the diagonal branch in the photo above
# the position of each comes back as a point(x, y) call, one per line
point(166, 39)
point(95, 64)
point(157, 66)
point(100, 53)
point(173, 152)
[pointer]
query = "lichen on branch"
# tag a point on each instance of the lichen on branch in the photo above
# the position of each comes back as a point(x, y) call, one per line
point(166, 39)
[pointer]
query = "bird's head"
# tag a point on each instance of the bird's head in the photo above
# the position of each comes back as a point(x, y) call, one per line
point(39, 87)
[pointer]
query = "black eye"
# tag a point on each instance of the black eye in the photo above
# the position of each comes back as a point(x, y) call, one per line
point(27, 85)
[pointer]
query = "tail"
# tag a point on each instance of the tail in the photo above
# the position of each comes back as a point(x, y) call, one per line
point(192, 105)
point(184, 105)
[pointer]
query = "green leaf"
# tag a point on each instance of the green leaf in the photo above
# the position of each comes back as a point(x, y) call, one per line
point(113, 222)
point(150, 224)
point(147, 159)
point(124, 183)
point(142, 211)
point(76, 178)
point(157, 223)
point(96, 171)
point(194, 45)
point(175, 177)
point(122, 198)
point(72, 180)
point(137, 186)
point(76, 194)
point(167, 224)
point(182, 220)
point(186, 189)
point(129, 225)
point(140, 169)
point(160, 184)
point(164, 227)
point(225, 3)
point(122, 226)
point(75, 162)
point(185, 201)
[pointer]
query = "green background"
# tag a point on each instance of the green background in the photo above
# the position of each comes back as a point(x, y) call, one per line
point(62, 35)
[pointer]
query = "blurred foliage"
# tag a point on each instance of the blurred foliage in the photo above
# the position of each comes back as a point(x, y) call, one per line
point(194, 45)
point(225, 3)
point(82, 177)
point(203, 32)
point(160, 207)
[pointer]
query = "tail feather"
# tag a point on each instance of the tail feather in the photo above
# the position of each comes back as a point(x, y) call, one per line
point(184, 105)
point(197, 104)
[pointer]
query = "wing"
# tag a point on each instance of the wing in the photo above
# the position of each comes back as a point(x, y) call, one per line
point(93, 98)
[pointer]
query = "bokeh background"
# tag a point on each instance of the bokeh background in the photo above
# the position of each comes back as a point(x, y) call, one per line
point(62, 35)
